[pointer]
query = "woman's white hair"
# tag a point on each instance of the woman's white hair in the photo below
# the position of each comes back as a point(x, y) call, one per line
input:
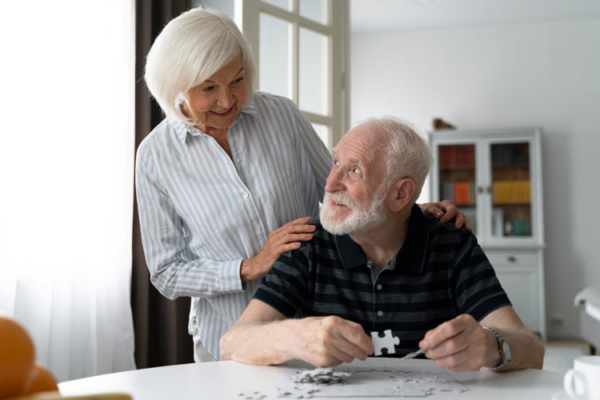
point(408, 153)
point(188, 51)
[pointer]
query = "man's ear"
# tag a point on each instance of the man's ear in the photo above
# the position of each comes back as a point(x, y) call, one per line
point(401, 193)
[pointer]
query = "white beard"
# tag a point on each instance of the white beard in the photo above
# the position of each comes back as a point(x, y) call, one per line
point(358, 220)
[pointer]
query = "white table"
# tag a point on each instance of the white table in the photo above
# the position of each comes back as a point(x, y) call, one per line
point(227, 379)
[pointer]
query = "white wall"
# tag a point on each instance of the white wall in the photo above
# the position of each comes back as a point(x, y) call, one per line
point(514, 75)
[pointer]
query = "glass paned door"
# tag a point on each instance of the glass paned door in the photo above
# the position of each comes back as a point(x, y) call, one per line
point(314, 72)
point(511, 186)
point(301, 51)
point(284, 4)
point(457, 178)
point(275, 56)
point(314, 9)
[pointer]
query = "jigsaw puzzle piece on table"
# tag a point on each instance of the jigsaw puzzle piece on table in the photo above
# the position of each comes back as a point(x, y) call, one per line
point(387, 342)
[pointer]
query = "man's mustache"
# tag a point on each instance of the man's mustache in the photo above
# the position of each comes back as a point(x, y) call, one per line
point(340, 198)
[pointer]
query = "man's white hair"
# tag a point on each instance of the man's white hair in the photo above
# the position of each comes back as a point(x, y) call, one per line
point(408, 153)
point(188, 51)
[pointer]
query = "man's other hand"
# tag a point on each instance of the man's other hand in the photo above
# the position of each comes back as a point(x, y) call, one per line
point(330, 341)
point(461, 344)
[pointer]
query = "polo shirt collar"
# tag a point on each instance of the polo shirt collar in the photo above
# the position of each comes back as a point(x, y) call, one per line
point(411, 257)
point(182, 129)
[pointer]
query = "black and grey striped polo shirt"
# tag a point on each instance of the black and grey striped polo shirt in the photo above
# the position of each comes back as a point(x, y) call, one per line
point(439, 273)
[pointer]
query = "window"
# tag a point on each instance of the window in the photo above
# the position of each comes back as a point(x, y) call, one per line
point(66, 173)
point(300, 47)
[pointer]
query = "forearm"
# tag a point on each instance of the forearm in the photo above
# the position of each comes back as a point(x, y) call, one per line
point(526, 349)
point(254, 268)
point(259, 343)
point(197, 278)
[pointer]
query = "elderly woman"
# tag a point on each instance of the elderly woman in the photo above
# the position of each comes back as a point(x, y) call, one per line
point(228, 181)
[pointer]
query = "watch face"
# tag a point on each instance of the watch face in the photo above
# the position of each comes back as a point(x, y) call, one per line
point(506, 351)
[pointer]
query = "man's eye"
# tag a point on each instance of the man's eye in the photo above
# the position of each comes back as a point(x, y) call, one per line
point(356, 170)
point(336, 163)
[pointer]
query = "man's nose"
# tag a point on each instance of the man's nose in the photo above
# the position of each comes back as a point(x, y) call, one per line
point(334, 181)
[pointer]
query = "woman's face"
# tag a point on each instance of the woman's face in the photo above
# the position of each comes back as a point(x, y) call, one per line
point(216, 102)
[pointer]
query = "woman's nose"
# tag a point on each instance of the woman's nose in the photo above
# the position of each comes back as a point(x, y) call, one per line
point(226, 99)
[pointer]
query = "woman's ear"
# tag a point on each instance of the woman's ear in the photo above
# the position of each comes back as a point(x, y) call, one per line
point(402, 192)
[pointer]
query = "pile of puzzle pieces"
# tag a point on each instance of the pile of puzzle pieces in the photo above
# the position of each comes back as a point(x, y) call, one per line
point(408, 381)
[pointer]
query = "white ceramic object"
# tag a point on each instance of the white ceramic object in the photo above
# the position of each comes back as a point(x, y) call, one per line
point(583, 381)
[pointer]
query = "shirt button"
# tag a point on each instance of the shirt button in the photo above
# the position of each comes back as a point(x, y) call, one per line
point(379, 287)
point(380, 313)
point(245, 194)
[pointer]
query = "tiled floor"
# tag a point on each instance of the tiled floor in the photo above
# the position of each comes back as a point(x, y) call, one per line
point(560, 354)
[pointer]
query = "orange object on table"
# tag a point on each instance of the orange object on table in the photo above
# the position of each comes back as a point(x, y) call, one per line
point(43, 381)
point(17, 359)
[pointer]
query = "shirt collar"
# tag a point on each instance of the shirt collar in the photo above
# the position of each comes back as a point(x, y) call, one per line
point(411, 257)
point(182, 129)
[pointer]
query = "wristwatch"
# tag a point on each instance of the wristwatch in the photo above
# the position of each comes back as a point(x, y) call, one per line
point(503, 349)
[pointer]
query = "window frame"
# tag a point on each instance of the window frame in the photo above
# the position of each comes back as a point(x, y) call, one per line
point(247, 16)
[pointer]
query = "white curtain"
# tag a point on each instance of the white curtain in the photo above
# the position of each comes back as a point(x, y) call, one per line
point(66, 180)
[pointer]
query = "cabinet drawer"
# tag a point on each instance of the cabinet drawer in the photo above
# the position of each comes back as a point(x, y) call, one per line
point(512, 257)
point(522, 285)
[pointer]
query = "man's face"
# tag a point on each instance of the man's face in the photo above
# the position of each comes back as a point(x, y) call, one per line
point(354, 193)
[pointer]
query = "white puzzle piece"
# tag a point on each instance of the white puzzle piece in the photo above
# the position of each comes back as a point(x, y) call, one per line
point(387, 342)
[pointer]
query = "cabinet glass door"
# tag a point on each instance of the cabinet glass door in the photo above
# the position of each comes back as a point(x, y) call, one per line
point(457, 178)
point(511, 190)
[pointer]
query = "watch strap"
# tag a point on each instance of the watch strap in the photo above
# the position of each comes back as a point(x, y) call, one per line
point(505, 360)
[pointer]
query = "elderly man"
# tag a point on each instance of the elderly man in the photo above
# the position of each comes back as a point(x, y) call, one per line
point(377, 263)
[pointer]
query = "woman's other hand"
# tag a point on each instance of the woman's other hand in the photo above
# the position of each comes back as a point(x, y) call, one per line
point(445, 211)
point(280, 241)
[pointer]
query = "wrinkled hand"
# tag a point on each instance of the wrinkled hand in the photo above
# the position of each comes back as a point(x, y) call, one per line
point(330, 341)
point(279, 241)
point(445, 211)
point(461, 344)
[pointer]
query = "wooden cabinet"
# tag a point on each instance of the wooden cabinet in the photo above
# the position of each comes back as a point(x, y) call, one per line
point(495, 178)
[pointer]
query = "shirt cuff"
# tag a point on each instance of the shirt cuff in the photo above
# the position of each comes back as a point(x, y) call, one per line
point(229, 276)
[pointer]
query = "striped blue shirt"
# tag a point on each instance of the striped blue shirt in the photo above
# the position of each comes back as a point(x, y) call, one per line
point(202, 213)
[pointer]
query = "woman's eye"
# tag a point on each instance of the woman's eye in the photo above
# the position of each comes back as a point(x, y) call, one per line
point(356, 171)
point(336, 163)
point(238, 80)
point(208, 89)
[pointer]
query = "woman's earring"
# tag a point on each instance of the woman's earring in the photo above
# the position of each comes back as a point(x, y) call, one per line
point(179, 101)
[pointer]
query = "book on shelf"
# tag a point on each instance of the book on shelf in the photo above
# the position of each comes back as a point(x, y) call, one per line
point(512, 192)
point(459, 192)
point(517, 227)
point(510, 154)
point(447, 191)
point(457, 157)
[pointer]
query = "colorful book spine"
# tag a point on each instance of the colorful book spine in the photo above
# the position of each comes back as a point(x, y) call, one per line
point(512, 192)
point(456, 157)
point(461, 193)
